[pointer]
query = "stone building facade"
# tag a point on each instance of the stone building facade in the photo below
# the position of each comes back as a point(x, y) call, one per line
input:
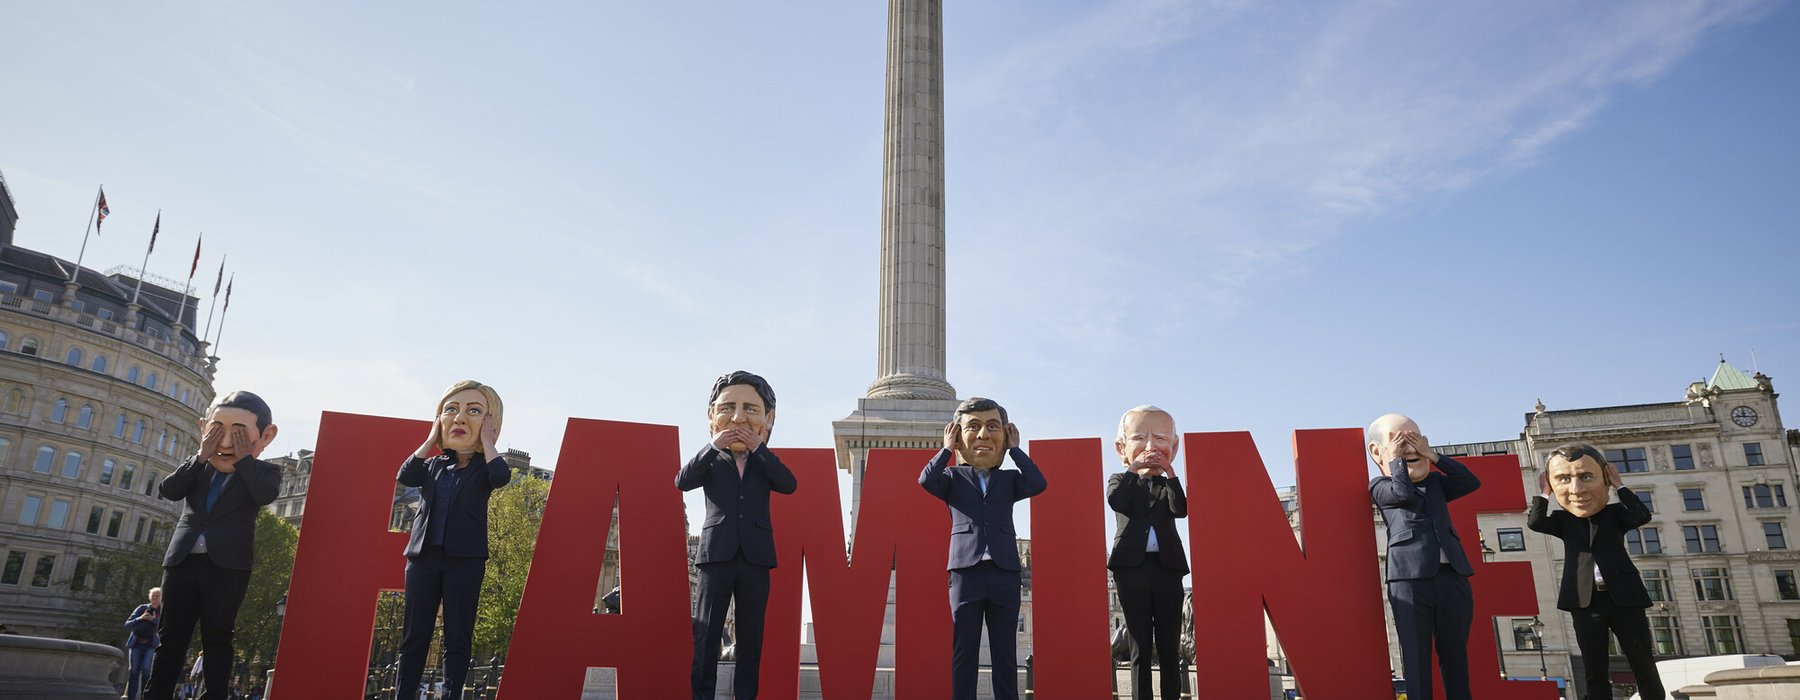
point(100, 398)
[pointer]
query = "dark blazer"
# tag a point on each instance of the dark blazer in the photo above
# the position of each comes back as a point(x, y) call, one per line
point(1623, 581)
point(737, 508)
point(976, 520)
point(1141, 503)
point(1418, 518)
point(230, 526)
point(466, 525)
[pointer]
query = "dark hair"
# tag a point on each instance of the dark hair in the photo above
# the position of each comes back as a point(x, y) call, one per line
point(741, 377)
point(976, 404)
point(1573, 451)
point(249, 402)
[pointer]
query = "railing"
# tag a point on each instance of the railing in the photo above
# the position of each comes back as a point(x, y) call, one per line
point(171, 351)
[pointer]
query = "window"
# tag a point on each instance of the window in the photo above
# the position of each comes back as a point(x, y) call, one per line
point(107, 467)
point(74, 357)
point(137, 432)
point(1786, 586)
point(1656, 583)
point(1701, 538)
point(28, 346)
point(152, 382)
point(99, 364)
point(15, 401)
point(104, 312)
point(60, 411)
point(1665, 634)
point(1693, 499)
point(1525, 637)
point(78, 305)
point(119, 428)
point(162, 439)
point(15, 567)
point(46, 456)
point(95, 516)
point(5, 340)
point(1512, 539)
point(1712, 584)
point(1774, 535)
point(132, 374)
point(40, 575)
point(42, 295)
point(125, 479)
point(59, 514)
point(1723, 635)
point(1684, 456)
point(112, 525)
point(138, 535)
point(28, 511)
point(72, 465)
point(1628, 460)
point(85, 418)
point(79, 582)
point(153, 525)
point(1765, 496)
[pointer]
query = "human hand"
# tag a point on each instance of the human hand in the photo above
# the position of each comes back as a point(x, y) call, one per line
point(1012, 436)
point(490, 433)
point(1390, 450)
point(209, 443)
point(1612, 476)
point(750, 439)
point(952, 433)
point(1544, 482)
point(431, 439)
point(1422, 446)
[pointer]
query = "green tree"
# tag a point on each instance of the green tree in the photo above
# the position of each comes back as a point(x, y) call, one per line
point(515, 513)
point(258, 621)
point(109, 582)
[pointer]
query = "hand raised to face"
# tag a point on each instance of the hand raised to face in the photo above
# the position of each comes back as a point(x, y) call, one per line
point(1012, 436)
point(1612, 476)
point(209, 443)
point(952, 435)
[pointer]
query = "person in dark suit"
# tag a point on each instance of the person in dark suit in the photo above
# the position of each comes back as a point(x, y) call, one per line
point(206, 569)
point(140, 644)
point(984, 555)
point(1601, 589)
point(1147, 558)
point(1427, 570)
point(736, 471)
point(447, 554)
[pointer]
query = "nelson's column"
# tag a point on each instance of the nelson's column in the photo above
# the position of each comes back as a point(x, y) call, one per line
point(910, 400)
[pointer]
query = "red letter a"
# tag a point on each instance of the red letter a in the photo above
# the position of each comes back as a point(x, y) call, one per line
point(558, 636)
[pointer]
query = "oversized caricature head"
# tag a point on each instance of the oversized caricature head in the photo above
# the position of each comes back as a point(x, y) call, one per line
point(1578, 479)
point(981, 432)
point(462, 412)
point(1147, 440)
point(1389, 428)
point(741, 400)
point(246, 425)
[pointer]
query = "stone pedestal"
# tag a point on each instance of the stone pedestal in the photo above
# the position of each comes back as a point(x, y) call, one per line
point(1760, 683)
point(39, 668)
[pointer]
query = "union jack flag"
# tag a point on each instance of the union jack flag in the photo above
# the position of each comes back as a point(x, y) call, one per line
point(100, 211)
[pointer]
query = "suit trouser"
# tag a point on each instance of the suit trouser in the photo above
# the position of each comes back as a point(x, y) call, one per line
point(720, 583)
point(1150, 595)
point(1632, 627)
point(1441, 609)
point(434, 578)
point(984, 593)
point(197, 591)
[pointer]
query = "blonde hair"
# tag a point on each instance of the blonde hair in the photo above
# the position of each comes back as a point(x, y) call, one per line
point(495, 409)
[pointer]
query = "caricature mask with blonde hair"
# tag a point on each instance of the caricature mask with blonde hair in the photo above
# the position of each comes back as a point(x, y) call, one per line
point(462, 412)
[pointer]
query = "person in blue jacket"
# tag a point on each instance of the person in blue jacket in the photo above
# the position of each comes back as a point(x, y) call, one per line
point(140, 645)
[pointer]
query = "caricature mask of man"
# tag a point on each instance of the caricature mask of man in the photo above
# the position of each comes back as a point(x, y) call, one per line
point(1394, 426)
point(1146, 442)
point(739, 406)
point(981, 438)
point(1580, 486)
point(240, 436)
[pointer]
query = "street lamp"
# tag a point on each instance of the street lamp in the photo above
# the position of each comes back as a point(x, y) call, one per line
point(1537, 634)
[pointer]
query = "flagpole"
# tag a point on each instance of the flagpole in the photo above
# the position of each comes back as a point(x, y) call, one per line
point(143, 269)
point(92, 212)
point(216, 341)
point(215, 297)
point(181, 313)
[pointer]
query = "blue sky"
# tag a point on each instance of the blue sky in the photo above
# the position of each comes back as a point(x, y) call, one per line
point(1261, 216)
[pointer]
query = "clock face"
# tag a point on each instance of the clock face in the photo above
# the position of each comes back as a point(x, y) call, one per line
point(1744, 416)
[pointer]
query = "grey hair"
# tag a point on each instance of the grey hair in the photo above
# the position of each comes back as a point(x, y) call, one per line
point(1147, 408)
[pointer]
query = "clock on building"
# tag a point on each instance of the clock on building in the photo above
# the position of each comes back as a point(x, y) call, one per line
point(1744, 416)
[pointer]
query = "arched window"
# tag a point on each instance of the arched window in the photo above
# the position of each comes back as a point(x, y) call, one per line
point(72, 465)
point(162, 440)
point(132, 374)
point(85, 419)
point(28, 346)
point(60, 412)
point(99, 364)
point(125, 478)
point(184, 395)
point(46, 457)
point(5, 340)
point(5, 451)
point(137, 434)
point(107, 468)
point(74, 357)
point(15, 401)
point(152, 382)
point(119, 428)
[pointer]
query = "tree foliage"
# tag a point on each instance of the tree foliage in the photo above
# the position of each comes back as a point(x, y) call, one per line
point(258, 624)
point(114, 582)
point(515, 513)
